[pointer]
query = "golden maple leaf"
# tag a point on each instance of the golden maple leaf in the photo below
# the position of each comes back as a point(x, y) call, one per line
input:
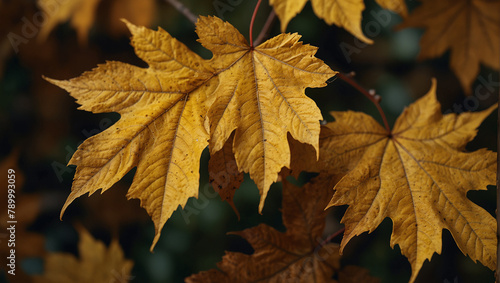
point(418, 176)
point(468, 28)
point(261, 97)
point(259, 92)
point(297, 255)
point(82, 13)
point(342, 13)
point(161, 128)
point(96, 263)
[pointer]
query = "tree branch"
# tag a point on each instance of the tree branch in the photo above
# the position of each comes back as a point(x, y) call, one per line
point(332, 236)
point(264, 33)
point(183, 10)
point(370, 95)
point(252, 22)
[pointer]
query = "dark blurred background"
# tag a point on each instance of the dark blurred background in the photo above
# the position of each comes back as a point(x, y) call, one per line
point(40, 128)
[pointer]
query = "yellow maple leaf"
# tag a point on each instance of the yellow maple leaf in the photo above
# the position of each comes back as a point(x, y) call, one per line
point(468, 28)
point(96, 263)
point(297, 255)
point(261, 97)
point(342, 13)
point(81, 13)
point(256, 92)
point(161, 130)
point(418, 176)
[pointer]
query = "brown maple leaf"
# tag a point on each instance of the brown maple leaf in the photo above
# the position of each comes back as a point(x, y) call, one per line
point(356, 274)
point(96, 263)
point(258, 92)
point(342, 13)
point(112, 210)
point(297, 255)
point(224, 174)
point(468, 28)
point(418, 175)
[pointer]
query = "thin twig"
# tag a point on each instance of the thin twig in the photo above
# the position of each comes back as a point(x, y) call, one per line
point(373, 98)
point(264, 33)
point(184, 10)
point(252, 21)
point(330, 237)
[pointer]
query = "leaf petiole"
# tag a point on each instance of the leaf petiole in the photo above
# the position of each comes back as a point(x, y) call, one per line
point(252, 21)
point(371, 96)
point(265, 30)
point(183, 10)
point(332, 236)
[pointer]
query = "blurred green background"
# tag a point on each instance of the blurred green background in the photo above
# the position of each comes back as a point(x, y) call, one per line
point(41, 127)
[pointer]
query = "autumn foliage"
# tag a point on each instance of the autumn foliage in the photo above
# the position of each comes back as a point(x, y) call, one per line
point(248, 105)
